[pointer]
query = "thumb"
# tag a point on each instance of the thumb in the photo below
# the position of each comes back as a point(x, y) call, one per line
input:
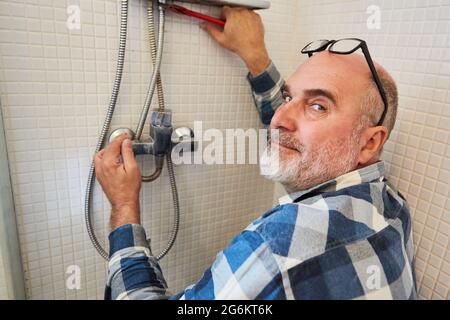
point(215, 33)
point(129, 161)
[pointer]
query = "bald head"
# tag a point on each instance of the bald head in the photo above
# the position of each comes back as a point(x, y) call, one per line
point(351, 76)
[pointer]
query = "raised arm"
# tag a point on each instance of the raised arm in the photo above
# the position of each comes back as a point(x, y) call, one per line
point(243, 34)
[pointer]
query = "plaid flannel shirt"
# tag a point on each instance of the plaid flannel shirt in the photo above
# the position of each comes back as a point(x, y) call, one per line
point(347, 238)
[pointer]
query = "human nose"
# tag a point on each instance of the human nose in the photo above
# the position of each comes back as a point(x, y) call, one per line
point(285, 117)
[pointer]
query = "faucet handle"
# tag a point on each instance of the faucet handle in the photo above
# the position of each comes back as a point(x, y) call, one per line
point(119, 131)
point(182, 134)
point(183, 140)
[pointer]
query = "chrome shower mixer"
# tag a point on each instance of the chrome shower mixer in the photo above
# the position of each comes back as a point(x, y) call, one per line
point(163, 137)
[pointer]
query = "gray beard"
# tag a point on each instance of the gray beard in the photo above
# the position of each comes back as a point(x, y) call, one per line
point(309, 167)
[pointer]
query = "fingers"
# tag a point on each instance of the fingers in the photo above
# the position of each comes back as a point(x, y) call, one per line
point(129, 160)
point(112, 151)
point(226, 11)
point(99, 154)
point(215, 33)
point(98, 162)
point(229, 11)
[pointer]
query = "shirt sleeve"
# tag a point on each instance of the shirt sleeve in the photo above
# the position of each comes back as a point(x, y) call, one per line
point(267, 92)
point(133, 272)
point(246, 269)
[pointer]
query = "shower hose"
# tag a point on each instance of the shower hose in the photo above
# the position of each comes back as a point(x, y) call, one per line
point(156, 54)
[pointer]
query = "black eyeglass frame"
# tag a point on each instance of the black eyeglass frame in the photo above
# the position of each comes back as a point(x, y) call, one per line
point(363, 45)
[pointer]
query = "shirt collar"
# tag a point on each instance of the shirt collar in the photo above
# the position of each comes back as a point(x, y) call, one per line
point(370, 173)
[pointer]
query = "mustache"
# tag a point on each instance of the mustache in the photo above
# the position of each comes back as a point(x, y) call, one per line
point(285, 139)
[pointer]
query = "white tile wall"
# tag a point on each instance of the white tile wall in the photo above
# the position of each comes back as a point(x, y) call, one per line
point(55, 85)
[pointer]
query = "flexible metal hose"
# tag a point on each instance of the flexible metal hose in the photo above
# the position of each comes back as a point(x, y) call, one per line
point(153, 176)
point(153, 51)
point(176, 208)
point(105, 129)
point(157, 56)
point(156, 53)
point(156, 79)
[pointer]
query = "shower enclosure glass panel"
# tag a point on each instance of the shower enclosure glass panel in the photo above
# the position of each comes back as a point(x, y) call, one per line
point(11, 273)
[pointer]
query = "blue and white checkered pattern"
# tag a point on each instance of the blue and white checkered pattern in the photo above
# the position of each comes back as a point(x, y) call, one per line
point(347, 238)
point(267, 92)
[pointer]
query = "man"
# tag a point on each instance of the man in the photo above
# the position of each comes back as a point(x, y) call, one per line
point(341, 233)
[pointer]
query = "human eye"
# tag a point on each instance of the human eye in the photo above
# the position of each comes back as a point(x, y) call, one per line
point(318, 107)
point(286, 96)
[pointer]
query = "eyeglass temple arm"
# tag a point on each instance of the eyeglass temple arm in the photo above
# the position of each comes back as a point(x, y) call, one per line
point(377, 81)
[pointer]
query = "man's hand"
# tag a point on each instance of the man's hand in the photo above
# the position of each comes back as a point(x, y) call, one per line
point(243, 34)
point(119, 175)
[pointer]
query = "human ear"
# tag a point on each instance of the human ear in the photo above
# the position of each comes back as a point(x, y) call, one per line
point(371, 143)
